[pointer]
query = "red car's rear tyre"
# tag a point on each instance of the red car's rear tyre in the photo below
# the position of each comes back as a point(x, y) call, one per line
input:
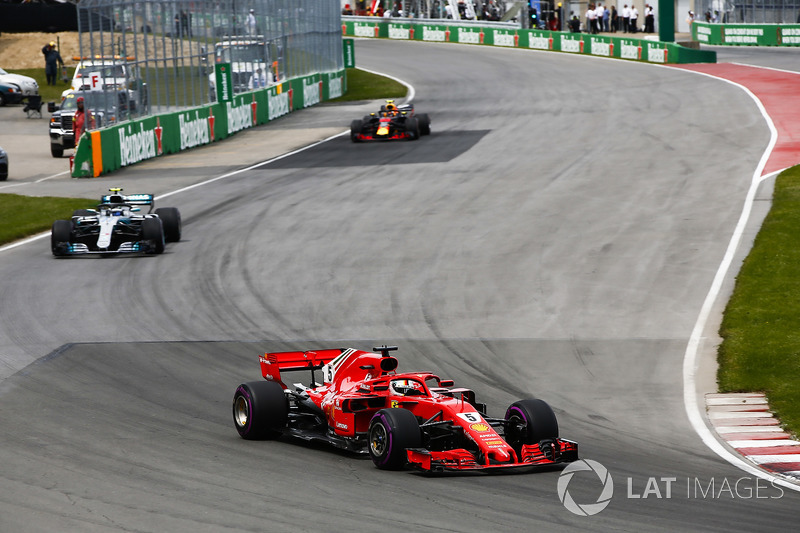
point(391, 433)
point(260, 410)
point(531, 421)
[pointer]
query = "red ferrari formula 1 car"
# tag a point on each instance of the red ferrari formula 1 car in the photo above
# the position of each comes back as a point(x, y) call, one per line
point(391, 122)
point(363, 405)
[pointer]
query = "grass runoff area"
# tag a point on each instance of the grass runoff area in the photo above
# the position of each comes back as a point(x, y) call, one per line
point(49, 93)
point(23, 216)
point(761, 325)
point(362, 85)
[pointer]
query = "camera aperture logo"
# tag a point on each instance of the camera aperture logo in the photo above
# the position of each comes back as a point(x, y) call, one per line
point(586, 509)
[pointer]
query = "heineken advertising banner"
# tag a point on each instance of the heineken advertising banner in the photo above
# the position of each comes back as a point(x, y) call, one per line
point(747, 34)
point(574, 43)
point(108, 149)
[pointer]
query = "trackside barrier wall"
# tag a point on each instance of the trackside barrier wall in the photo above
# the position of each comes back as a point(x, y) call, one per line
point(577, 43)
point(747, 34)
point(108, 149)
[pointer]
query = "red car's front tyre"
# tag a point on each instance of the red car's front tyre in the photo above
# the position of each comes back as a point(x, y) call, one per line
point(391, 433)
point(529, 422)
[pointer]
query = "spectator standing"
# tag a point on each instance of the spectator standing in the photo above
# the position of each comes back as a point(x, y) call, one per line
point(258, 80)
point(633, 20)
point(649, 19)
point(251, 23)
point(591, 15)
point(614, 19)
point(186, 27)
point(51, 60)
point(626, 18)
point(690, 19)
point(79, 121)
point(574, 23)
point(599, 13)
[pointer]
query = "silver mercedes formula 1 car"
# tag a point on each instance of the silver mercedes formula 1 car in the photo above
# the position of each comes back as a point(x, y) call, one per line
point(117, 225)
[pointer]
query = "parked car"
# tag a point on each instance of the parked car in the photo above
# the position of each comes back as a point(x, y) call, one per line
point(14, 88)
point(3, 164)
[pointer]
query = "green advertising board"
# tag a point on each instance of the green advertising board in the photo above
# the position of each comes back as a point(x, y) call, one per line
point(349, 51)
point(224, 81)
point(108, 149)
point(576, 43)
point(747, 34)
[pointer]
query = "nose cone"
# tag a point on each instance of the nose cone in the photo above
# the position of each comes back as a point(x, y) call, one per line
point(501, 456)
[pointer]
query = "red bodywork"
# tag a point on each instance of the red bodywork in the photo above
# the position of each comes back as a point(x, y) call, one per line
point(356, 384)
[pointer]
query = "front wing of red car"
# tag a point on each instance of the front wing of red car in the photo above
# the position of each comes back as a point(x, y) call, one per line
point(551, 453)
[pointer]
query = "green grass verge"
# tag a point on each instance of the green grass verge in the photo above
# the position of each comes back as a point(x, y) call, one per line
point(23, 216)
point(49, 93)
point(362, 85)
point(761, 325)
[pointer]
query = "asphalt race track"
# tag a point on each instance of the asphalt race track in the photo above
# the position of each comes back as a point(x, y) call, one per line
point(554, 237)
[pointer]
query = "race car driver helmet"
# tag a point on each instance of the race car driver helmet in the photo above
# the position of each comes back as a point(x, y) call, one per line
point(391, 107)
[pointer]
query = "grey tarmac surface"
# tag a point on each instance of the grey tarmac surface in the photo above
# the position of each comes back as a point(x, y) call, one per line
point(554, 237)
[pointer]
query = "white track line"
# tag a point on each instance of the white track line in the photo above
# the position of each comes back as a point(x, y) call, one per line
point(690, 358)
point(37, 181)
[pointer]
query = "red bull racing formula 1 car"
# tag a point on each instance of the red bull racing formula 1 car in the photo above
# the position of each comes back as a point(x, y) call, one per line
point(417, 419)
point(391, 122)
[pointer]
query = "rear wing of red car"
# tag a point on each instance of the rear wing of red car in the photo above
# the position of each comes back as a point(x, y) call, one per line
point(273, 363)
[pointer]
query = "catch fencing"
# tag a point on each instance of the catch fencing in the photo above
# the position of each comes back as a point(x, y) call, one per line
point(153, 57)
point(748, 12)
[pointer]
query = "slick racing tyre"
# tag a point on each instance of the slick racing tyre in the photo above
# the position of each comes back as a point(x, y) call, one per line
point(171, 220)
point(153, 233)
point(530, 422)
point(60, 237)
point(391, 433)
point(424, 124)
point(412, 127)
point(355, 128)
point(260, 410)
